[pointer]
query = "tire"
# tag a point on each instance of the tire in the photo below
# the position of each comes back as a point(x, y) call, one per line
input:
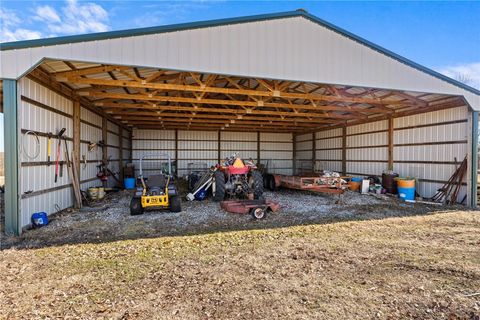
point(136, 206)
point(257, 185)
point(271, 185)
point(218, 186)
point(258, 213)
point(175, 204)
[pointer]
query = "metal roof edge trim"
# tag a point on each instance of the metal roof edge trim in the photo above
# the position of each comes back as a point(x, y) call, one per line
point(219, 22)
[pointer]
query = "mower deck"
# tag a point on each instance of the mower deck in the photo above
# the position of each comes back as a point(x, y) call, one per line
point(246, 206)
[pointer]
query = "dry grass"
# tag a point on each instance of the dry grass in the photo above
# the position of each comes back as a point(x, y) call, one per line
point(414, 267)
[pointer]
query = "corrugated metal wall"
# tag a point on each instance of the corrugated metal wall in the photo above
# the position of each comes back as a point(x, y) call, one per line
point(44, 112)
point(113, 151)
point(328, 155)
point(202, 148)
point(277, 149)
point(425, 146)
point(90, 131)
point(151, 142)
point(304, 153)
point(197, 148)
point(367, 148)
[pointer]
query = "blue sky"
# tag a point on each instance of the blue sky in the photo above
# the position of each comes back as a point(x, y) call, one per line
point(444, 36)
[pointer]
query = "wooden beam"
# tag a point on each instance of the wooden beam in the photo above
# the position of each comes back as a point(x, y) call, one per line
point(258, 147)
point(390, 143)
point(64, 75)
point(133, 114)
point(76, 135)
point(104, 147)
point(134, 119)
point(236, 111)
point(455, 102)
point(223, 90)
point(294, 151)
point(314, 151)
point(176, 152)
point(252, 105)
point(344, 151)
point(120, 151)
point(219, 146)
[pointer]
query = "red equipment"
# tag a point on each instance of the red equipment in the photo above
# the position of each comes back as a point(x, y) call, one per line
point(257, 208)
point(237, 178)
point(315, 184)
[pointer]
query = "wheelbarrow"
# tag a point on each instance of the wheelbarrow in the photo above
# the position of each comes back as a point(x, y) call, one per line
point(257, 208)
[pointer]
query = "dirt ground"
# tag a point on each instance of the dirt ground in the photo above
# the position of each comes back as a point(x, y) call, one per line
point(110, 220)
point(420, 267)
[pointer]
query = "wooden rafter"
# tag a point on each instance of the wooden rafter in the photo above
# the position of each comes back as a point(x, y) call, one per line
point(176, 99)
point(231, 91)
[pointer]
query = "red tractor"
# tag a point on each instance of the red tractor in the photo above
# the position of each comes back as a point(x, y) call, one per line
point(236, 178)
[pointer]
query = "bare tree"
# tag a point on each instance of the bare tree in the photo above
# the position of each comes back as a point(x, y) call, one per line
point(464, 78)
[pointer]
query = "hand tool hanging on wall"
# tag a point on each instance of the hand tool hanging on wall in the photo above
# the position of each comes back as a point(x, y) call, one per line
point(57, 160)
point(49, 148)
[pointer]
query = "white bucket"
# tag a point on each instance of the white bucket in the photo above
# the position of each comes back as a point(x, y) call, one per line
point(365, 185)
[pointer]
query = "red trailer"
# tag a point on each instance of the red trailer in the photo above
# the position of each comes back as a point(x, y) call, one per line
point(315, 184)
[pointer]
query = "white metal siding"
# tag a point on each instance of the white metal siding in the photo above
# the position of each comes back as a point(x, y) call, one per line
point(328, 153)
point(40, 177)
point(202, 147)
point(448, 136)
point(90, 131)
point(367, 149)
point(315, 54)
point(277, 149)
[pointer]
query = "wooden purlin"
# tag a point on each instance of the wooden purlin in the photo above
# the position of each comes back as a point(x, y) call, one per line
point(177, 98)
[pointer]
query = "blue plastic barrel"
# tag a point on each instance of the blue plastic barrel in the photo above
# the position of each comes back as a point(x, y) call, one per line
point(406, 189)
point(129, 183)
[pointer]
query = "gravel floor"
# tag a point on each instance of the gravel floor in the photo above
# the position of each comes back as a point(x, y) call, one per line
point(110, 220)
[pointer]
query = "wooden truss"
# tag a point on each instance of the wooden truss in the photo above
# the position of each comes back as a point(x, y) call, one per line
point(166, 99)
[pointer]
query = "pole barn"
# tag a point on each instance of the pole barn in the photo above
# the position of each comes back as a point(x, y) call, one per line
point(288, 87)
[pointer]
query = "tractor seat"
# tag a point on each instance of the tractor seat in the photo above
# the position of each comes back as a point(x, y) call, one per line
point(156, 180)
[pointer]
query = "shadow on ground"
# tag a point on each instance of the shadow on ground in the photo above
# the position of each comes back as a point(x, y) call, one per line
point(111, 221)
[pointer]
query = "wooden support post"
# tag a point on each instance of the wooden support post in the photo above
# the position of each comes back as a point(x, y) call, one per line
point(76, 143)
point(390, 143)
point(219, 145)
point(104, 148)
point(314, 151)
point(76, 131)
point(344, 151)
point(130, 135)
point(258, 147)
point(176, 152)
point(294, 149)
point(120, 158)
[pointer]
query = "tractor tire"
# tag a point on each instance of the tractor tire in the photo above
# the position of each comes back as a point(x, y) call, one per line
point(257, 185)
point(136, 207)
point(218, 186)
point(175, 204)
point(271, 185)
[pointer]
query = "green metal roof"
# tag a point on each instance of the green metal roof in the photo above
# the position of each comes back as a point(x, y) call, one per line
point(228, 21)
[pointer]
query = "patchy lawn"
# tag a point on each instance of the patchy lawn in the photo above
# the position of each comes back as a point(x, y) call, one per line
point(424, 267)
